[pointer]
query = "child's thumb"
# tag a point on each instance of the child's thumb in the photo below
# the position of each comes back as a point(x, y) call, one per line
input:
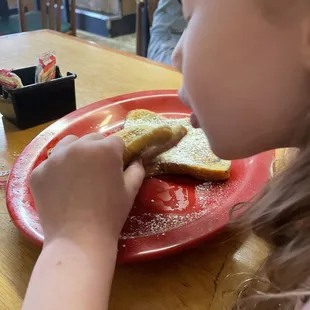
point(134, 176)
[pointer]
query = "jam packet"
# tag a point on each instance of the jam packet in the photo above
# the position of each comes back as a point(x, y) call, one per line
point(8, 79)
point(46, 68)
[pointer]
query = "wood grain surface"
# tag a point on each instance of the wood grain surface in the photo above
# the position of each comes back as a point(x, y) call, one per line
point(198, 279)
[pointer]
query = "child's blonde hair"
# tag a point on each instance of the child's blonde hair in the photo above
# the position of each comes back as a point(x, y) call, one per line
point(281, 216)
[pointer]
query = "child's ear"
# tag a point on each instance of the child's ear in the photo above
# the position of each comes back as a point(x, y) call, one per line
point(305, 42)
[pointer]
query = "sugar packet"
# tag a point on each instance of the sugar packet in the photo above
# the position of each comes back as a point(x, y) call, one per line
point(10, 80)
point(46, 68)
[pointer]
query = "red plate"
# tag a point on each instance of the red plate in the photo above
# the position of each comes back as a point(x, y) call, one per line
point(170, 213)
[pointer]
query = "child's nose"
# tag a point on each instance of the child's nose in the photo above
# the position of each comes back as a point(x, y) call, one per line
point(177, 55)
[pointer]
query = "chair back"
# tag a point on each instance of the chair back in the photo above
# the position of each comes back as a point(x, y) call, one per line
point(152, 6)
point(48, 10)
point(144, 19)
point(4, 9)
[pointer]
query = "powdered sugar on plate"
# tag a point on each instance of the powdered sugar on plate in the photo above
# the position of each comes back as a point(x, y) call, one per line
point(168, 214)
point(156, 224)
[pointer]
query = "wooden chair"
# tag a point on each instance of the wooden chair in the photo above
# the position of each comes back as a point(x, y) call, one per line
point(4, 9)
point(53, 14)
point(144, 18)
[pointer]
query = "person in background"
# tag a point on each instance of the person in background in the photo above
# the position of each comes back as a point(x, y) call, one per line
point(167, 28)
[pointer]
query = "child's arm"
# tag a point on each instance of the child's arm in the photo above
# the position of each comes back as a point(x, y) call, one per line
point(83, 198)
point(72, 277)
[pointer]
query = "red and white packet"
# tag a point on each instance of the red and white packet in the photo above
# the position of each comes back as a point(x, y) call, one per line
point(46, 68)
point(3, 177)
point(10, 80)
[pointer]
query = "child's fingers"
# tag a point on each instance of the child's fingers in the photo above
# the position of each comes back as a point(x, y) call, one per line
point(116, 142)
point(116, 145)
point(134, 176)
point(92, 137)
point(64, 142)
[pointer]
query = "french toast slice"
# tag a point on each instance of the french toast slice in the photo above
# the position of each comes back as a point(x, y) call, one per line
point(192, 156)
point(147, 141)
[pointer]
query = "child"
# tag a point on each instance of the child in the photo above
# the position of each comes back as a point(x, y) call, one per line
point(246, 67)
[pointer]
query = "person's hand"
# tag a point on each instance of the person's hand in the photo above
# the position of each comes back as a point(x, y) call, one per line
point(81, 191)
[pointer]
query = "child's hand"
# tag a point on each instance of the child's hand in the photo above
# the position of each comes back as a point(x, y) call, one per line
point(81, 191)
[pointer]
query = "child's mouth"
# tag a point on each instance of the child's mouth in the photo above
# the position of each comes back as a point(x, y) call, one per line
point(194, 121)
point(183, 98)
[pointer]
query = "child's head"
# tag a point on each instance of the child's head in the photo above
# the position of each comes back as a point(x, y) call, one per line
point(245, 66)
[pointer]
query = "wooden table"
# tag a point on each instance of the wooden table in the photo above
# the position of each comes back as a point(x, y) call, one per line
point(195, 279)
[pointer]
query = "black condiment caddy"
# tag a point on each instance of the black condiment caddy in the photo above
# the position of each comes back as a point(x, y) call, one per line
point(39, 103)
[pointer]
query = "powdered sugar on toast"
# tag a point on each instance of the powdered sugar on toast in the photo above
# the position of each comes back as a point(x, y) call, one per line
point(193, 150)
